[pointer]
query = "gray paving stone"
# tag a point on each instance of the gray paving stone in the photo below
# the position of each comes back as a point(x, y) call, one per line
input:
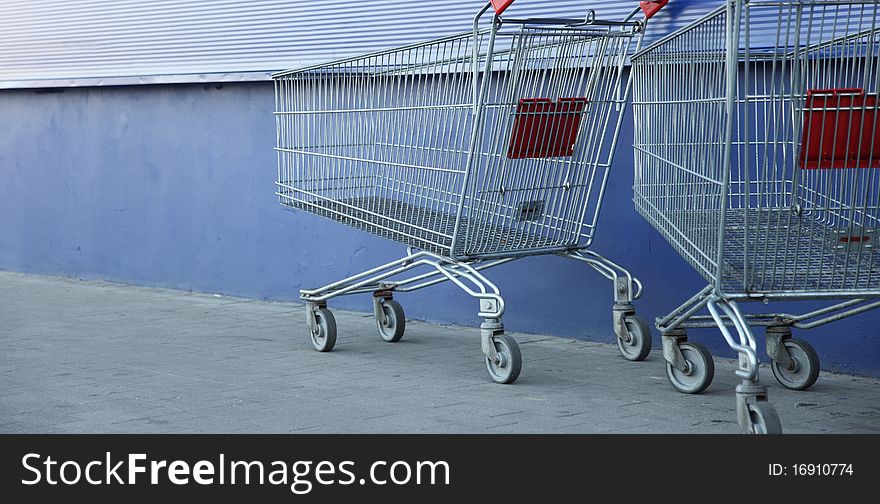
point(84, 356)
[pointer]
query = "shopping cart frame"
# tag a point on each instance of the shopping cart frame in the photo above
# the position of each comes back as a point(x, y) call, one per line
point(794, 362)
point(466, 271)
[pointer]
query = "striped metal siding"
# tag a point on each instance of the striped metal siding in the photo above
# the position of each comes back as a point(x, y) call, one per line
point(95, 42)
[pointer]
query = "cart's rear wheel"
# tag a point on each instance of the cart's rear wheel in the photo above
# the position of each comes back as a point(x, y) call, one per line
point(509, 363)
point(700, 372)
point(639, 345)
point(764, 419)
point(323, 335)
point(805, 366)
point(391, 330)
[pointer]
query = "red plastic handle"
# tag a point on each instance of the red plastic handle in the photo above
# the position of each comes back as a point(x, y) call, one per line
point(651, 8)
point(501, 5)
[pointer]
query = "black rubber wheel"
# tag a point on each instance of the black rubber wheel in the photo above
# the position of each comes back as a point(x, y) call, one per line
point(639, 345)
point(395, 321)
point(507, 370)
point(764, 419)
point(700, 372)
point(323, 336)
point(805, 371)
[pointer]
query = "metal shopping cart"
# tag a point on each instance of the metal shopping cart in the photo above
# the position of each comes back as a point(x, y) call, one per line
point(759, 161)
point(473, 150)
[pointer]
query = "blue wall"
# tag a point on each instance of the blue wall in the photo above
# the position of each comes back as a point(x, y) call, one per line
point(173, 186)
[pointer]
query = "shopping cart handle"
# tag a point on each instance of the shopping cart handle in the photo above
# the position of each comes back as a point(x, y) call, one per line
point(501, 5)
point(651, 8)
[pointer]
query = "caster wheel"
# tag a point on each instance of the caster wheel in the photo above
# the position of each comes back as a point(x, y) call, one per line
point(509, 364)
point(805, 369)
point(639, 345)
point(323, 335)
point(395, 322)
point(700, 372)
point(764, 419)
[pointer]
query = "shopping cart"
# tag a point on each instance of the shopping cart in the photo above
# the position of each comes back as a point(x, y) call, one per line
point(759, 163)
point(473, 150)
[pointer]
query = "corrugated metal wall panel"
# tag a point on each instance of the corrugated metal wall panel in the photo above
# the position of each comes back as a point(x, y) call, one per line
point(88, 42)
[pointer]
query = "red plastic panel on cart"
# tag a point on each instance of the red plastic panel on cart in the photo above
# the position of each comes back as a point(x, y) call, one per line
point(841, 130)
point(544, 128)
point(651, 8)
point(500, 5)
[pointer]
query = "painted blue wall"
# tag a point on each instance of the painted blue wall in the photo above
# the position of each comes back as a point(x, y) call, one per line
point(173, 186)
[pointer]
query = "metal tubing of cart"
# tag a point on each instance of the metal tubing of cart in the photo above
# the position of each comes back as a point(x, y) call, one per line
point(473, 150)
point(761, 167)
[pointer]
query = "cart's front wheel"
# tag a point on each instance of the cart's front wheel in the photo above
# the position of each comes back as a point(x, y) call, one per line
point(323, 335)
point(700, 369)
point(639, 345)
point(804, 368)
point(392, 328)
point(506, 367)
point(764, 419)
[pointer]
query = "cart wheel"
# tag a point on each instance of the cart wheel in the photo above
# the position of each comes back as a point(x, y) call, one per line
point(395, 321)
point(764, 419)
point(805, 368)
point(510, 360)
point(701, 369)
point(639, 345)
point(324, 333)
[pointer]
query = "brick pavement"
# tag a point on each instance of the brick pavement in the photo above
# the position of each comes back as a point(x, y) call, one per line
point(87, 356)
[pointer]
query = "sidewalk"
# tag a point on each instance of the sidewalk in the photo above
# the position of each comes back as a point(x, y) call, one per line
point(84, 357)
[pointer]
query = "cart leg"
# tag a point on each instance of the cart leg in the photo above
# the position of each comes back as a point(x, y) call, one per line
point(390, 318)
point(633, 332)
point(671, 350)
point(311, 308)
point(489, 329)
point(795, 363)
point(322, 326)
point(689, 366)
point(753, 411)
point(501, 352)
point(503, 357)
point(776, 337)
